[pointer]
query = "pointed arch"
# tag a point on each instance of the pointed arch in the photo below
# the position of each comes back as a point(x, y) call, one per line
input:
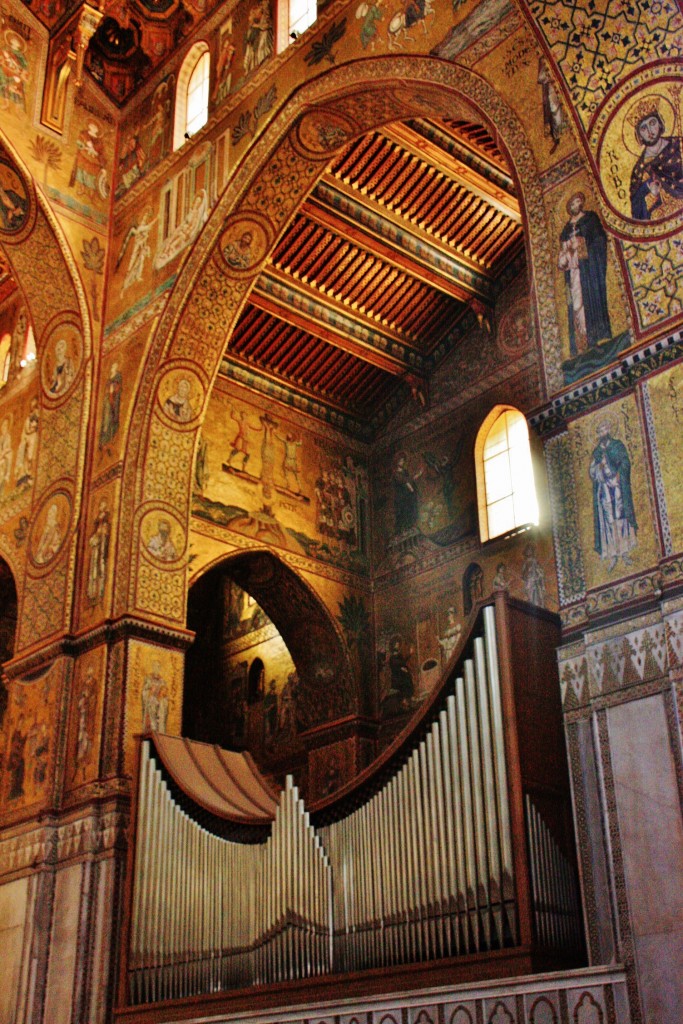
point(45, 270)
point(307, 628)
point(267, 188)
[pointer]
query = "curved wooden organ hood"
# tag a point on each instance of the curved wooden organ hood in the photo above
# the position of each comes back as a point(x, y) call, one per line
point(452, 853)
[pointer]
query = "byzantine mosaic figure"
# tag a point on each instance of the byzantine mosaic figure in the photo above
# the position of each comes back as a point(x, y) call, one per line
point(51, 537)
point(28, 443)
point(63, 369)
point(98, 555)
point(111, 407)
point(583, 258)
point(178, 405)
point(5, 454)
point(88, 174)
point(533, 577)
point(160, 544)
point(154, 700)
point(14, 202)
point(614, 516)
point(656, 188)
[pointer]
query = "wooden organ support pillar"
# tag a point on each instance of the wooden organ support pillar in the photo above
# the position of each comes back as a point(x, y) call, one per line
point(453, 852)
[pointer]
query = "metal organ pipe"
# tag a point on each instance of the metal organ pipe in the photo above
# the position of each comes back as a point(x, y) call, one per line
point(423, 870)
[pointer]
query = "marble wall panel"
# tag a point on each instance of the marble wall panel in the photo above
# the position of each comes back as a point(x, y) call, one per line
point(63, 944)
point(651, 834)
point(592, 853)
point(13, 906)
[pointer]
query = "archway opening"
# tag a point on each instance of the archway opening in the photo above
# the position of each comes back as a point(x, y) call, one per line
point(253, 679)
point(8, 627)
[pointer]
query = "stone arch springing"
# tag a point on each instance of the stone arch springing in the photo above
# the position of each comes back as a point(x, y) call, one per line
point(272, 180)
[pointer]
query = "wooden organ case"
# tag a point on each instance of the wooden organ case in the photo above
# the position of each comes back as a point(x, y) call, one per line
point(450, 859)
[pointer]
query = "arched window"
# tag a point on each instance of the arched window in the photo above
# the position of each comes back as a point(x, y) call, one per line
point(505, 477)
point(5, 358)
point(256, 685)
point(302, 13)
point(192, 94)
point(28, 348)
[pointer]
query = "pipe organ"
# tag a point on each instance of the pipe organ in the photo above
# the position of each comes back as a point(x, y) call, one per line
point(451, 846)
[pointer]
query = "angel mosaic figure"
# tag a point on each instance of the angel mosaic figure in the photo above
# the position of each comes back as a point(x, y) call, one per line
point(138, 236)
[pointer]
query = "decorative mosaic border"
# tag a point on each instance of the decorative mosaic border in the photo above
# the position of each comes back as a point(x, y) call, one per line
point(617, 380)
point(571, 580)
point(664, 524)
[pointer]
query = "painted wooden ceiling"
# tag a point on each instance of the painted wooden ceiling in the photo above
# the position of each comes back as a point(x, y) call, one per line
point(407, 237)
point(125, 41)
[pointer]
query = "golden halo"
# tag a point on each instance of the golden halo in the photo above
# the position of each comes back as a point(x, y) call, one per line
point(666, 110)
point(11, 36)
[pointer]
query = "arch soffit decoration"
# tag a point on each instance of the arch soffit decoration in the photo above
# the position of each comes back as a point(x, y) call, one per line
point(46, 272)
point(266, 190)
point(55, 256)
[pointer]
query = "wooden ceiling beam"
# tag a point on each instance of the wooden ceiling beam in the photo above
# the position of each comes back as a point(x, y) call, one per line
point(376, 348)
point(402, 241)
point(233, 367)
point(425, 271)
point(458, 171)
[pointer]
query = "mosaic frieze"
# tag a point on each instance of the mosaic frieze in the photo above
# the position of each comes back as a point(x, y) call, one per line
point(615, 659)
point(264, 476)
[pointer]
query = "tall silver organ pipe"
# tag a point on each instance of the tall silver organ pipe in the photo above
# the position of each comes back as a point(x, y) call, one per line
point(211, 914)
point(422, 869)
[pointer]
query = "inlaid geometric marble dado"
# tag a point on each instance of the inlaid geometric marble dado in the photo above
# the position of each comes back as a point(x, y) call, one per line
point(591, 996)
point(617, 657)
